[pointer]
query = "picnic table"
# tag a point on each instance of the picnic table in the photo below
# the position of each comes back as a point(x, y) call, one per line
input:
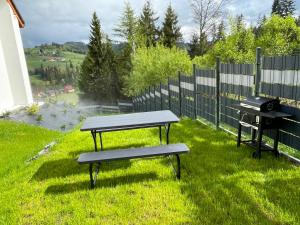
point(101, 124)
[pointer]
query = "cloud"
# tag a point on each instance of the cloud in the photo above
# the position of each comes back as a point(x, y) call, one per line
point(69, 20)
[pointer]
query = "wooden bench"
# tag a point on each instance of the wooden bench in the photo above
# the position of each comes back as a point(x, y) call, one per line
point(146, 152)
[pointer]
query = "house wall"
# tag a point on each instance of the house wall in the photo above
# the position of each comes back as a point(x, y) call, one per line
point(15, 86)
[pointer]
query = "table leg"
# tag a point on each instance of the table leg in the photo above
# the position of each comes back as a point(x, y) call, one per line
point(94, 134)
point(101, 144)
point(167, 126)
point(160, 138)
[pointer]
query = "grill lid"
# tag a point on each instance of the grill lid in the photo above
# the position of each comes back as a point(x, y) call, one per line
point(261, 104)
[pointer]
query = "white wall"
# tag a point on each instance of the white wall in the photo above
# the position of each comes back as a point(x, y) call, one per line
point(13, 69)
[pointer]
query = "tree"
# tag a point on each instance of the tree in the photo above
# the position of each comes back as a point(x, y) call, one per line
point(276, 7)
point(237, 47)
point(127, 25)
point(152, 65)
point(283, 8)
point(220, 31)
point(194, 46)
point(206, 13)
point(298, 21)
point(279, 36)
point(258, 28)
point(95, 79)
point(147, 31)
point(170, 32)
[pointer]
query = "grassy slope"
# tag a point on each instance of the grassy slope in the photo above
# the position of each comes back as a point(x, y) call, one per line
point(220, 184)
point(18, 143)
point(35, 61)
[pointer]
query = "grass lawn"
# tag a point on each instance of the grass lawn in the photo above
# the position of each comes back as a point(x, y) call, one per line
point(220, 184)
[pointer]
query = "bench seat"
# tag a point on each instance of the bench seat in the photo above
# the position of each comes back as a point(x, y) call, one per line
point(102, 156)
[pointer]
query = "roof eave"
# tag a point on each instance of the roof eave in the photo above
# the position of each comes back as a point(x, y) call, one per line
point(17, 13)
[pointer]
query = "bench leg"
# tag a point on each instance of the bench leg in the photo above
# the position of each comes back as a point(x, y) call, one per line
point(93, 179)
point(178, 166)
point(91, 176)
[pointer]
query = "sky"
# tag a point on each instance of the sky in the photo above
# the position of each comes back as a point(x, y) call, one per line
point(57, 21)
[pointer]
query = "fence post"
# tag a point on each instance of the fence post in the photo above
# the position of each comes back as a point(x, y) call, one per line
point(217, 94)
point(258, 71)
point(179, 94)
point(195, 91)
point(169, 94)
point(161, 98)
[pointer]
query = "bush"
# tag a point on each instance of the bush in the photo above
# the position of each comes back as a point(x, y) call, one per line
point(154, 65)
point(33, 109)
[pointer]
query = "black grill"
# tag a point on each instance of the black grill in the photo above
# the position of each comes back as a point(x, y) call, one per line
point(260, 114)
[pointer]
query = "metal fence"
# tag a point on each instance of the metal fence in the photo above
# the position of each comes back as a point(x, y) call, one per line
point(212, 94)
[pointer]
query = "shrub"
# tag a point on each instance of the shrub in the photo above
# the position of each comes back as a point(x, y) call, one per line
point(33, 109)
point(39, 118)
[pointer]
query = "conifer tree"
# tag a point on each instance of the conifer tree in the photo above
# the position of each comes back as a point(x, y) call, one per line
point(148, 33)
point(276, 9)
point(170, 32)
point(220, 35)
point(194, 46)
point(95, 78)
point(127, 25)
point(287, 7)
point(283, 8)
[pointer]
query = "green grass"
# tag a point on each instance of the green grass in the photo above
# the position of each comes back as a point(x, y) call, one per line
point(18, 143)
point(220, 184)
point(34, 60)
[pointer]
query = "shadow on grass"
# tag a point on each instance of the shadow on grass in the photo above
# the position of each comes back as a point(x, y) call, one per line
point(77, 153)
point(101, 183)
point(69, 167)
point(224, 182)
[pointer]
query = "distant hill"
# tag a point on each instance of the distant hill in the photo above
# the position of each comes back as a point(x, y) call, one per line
point(77, 47)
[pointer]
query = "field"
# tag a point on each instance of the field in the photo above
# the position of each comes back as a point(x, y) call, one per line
point(220, 184)
point(34, 60)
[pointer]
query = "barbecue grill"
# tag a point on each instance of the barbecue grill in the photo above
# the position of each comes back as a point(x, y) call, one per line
point(260, 114)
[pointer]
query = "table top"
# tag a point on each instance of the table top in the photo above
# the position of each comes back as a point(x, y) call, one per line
point(130, 120)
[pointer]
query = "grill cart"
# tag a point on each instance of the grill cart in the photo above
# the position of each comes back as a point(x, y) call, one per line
point(260, 114)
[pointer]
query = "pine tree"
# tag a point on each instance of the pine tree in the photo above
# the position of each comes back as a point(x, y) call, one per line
point(170, 32)
point(204, 44)
point(194, 46)
point(148, 33)
point(95, 78)
point(283, 8)
point(287, 7)
point(276, 7)
point(220, 31)
point(127, 25)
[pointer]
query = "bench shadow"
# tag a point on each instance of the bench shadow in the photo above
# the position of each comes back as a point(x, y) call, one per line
point(69, 167)
point(101, 183)
point(77, 153)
